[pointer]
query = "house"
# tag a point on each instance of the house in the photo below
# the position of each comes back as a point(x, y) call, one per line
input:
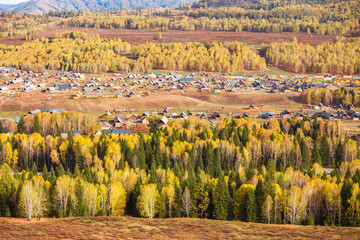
point(216, 116)
point(298, 115)
point(63, 87)
point(245, 115)
point(285, 112)
point(203, 116)
point(163, 121)
point(166, 112)
point(355, 116)
point(117, 132)
point(316, 115)
point(34, 112)
point(183, 115)
point(267, 115)
point(187, 80)
point(117, 122)
point(253, 107)
point(327, 115)
point(146, 114)
point(75, 132)
point(144, 120)
point(106, 125)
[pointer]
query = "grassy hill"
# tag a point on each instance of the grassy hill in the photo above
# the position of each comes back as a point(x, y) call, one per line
point(181, 228)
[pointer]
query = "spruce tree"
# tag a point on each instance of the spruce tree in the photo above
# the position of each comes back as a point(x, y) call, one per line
point(251, 206)
point(45, 172)
point(21, 125)
point(315, 154)
point(345, 194)
point(339, 154)
point(260, 197)
point(80, 209)
point(222, 200)
point(325, 150)
point(153, 178)
point(36, 127)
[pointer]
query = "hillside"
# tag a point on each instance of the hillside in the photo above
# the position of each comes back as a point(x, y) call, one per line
point(41, 6)
point(181, 228)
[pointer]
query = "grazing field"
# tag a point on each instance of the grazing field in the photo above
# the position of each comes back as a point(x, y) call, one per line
point(158, 102)
point(183, 228)
point(134, 36)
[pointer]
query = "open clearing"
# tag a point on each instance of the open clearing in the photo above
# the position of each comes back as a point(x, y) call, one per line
point(156, 102)
point(134, 36)
point(181, 228)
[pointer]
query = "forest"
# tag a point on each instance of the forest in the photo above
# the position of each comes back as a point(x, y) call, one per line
point(82, 52)
point(285, 171)
point(341, 57)
point(88, 53)
point(321, 17)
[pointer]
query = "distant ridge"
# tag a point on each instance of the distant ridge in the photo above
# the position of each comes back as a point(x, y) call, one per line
point(42, 6)
point(7, 6)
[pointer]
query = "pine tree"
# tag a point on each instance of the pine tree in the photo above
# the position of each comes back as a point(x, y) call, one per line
point(153, 178)
point(45, 173)
point(131, 208)
point(325, 150)
point(52, 177)
point(260, 197)
point(217, 172)
point(80, 209)
point(21, 125)
point(36, 127)
point(222, 200)
point(339, 153)
point(315, 154)
point(251, 206)
point(345, 194)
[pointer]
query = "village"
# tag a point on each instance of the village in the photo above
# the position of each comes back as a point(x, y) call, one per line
point(15, 83)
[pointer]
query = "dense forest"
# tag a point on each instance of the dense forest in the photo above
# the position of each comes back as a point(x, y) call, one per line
point(341, 57)
point(320, 17)
point(81, 52)
point(240, 169)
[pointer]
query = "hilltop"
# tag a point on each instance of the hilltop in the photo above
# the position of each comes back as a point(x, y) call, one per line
point(42, 6)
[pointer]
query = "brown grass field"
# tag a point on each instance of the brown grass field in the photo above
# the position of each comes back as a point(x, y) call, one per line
point(182, 228)
point(134, 36)
point(229, 102)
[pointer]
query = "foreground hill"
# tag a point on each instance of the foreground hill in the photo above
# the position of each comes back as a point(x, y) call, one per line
point(41, 6)
point(182, 228)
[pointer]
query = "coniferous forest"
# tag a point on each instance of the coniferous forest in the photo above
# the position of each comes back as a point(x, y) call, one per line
point(292, 171)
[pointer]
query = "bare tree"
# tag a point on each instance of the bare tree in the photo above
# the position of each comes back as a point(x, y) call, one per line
point(186, 202)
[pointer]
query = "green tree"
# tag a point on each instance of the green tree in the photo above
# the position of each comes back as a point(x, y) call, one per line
point(222, 200)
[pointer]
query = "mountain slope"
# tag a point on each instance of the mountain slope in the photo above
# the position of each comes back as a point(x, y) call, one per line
point(41, 6)
point(6, 6)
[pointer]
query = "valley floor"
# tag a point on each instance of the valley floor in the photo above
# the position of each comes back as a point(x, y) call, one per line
point(181, 228)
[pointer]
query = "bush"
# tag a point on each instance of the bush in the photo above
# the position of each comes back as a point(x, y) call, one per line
point(158, 36)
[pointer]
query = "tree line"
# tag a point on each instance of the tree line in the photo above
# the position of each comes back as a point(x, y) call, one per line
point(331, 97)
point(241, 169)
